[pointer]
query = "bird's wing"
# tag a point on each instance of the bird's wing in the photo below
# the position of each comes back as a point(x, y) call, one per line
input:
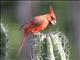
point(33, 23)
point(37, 21)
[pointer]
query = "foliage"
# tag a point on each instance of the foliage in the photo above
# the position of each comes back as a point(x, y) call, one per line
point(51, 46)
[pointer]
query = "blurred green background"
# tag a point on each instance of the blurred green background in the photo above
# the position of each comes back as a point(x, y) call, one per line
point(11, 15)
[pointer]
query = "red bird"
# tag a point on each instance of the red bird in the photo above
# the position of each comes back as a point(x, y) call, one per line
point(37, 24)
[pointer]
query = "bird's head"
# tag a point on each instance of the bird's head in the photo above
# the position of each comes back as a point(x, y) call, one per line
point(52, 17)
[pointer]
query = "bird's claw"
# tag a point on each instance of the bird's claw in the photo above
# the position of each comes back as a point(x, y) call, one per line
point(36, 33)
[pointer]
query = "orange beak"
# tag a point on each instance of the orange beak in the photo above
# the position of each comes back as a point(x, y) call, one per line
point(53, 22)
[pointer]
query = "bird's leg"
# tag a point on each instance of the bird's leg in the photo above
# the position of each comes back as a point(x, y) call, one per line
point(36, 33)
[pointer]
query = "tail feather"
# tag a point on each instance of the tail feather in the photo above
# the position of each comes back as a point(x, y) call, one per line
point(22, 42)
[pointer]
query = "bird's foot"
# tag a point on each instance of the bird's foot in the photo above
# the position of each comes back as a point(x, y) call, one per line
point(36, 33)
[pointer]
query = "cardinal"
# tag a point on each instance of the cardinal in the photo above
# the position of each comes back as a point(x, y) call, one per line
point(37, 23)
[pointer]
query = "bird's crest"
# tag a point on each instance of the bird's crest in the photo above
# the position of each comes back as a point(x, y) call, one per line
point(52, 11)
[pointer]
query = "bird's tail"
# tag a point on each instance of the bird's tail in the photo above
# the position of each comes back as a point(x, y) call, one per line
point(22, 42)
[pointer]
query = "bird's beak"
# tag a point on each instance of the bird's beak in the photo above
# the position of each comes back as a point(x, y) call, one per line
point(53, 22)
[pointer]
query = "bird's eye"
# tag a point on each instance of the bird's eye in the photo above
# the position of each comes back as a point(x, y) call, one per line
point(51, 17)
